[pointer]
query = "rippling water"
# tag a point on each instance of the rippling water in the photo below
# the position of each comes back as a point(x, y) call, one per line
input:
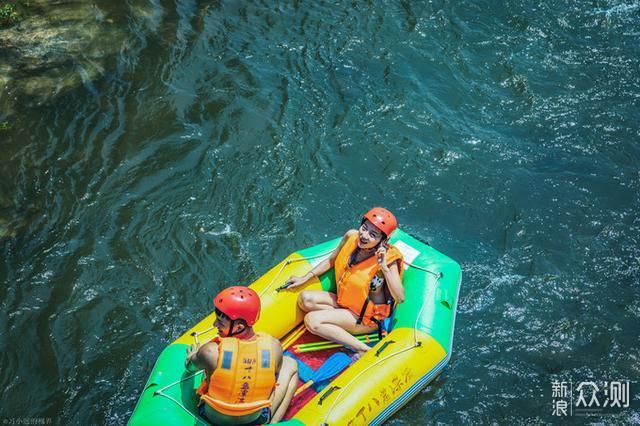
point(224, 136)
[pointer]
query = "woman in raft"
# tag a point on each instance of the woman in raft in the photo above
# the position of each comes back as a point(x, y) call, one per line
point(368, 273)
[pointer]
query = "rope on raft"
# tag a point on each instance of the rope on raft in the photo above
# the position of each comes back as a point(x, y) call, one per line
point(287, 263)
point(416, 344)
point(160, 392)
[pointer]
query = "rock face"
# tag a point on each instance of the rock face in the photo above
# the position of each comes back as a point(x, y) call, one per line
point(55, 46)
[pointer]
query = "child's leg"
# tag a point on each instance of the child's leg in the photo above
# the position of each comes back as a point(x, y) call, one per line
point(285, 388)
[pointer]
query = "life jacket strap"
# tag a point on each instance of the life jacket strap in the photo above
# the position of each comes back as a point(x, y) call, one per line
point(363, 310)
point(379, 324)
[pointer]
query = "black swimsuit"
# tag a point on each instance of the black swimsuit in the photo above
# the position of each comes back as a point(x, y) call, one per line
point(377, 281)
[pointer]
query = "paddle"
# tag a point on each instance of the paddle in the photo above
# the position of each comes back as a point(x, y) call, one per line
point(332, 366)
point(293, 336)
point(305, 347)
point(304, 371)
point(324, 347)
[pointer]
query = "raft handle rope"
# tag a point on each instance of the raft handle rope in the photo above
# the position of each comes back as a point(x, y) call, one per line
point(160, 392)
point(287, 263)
point(416, 344)
point(195, 334)
point(438, 275)
point(327, 393)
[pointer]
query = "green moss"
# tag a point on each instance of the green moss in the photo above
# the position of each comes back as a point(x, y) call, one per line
point(8, 14)
point(5, 125)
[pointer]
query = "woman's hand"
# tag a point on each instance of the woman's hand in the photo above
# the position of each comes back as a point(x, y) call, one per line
point(381, 257)
point(294, 281)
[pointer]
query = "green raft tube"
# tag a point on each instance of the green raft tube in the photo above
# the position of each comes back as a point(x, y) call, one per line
point(415, 350)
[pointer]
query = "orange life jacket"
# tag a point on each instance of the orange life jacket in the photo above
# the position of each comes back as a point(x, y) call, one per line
point(244, 377)
point(353, 282)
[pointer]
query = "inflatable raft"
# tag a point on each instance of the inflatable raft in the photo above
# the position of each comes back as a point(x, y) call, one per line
point(415, 349)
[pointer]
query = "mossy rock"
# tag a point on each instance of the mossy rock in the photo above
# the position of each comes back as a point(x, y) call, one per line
point(9, 14)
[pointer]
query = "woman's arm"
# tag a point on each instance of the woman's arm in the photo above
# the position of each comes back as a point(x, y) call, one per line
point(391, 274)
point(321, 267)
point(394, 282)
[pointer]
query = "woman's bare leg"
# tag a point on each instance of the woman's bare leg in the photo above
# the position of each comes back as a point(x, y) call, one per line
point(317, 300)
point(285, 388)
point(338, 325)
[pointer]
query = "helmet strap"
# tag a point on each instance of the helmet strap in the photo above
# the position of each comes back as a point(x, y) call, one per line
point(231, 332)
point(245, 333)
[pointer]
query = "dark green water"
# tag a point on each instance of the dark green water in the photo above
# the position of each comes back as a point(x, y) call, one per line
point(222, 137)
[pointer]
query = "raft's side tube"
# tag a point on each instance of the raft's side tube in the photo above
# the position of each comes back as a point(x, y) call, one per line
point(160, 404)
point(371, 385)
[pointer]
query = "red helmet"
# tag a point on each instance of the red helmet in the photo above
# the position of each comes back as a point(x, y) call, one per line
point(239, 302)
point(383, 219)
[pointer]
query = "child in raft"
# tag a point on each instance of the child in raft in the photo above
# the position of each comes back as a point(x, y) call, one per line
point(368, 273)
point(260, 389)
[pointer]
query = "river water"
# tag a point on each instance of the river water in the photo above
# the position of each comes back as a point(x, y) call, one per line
point(221, 136)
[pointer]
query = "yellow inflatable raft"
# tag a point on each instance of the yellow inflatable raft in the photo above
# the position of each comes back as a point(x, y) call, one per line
point(416, 348)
